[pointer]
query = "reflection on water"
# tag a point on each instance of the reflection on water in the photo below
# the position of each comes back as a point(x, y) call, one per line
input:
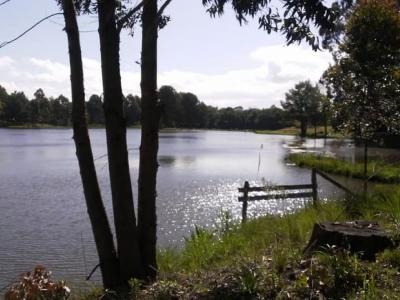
point(175, 161)
point(43, 216)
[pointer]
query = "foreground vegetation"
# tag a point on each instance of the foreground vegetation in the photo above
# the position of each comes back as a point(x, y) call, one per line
point(377, 170)
point(263, 259)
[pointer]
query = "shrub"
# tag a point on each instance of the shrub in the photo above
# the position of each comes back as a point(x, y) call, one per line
point(37, 285)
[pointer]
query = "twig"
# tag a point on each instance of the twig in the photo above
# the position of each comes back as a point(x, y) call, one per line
point(91, 273)
point(26, 31)
point(83, 250)
point(11, 283)
point(2, 3)
point(100, 157)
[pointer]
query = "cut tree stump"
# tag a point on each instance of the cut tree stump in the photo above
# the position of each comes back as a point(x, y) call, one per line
point(364, 238)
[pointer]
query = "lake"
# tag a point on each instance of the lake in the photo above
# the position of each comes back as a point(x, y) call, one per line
point(43, 216)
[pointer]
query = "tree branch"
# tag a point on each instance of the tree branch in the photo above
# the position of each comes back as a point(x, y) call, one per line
point(26, 31)
point(134, 10)
point(163, 7)
point(4, 2)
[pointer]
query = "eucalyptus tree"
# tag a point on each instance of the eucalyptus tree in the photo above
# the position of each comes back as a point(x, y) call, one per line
point(136, 241)
point(364, 81)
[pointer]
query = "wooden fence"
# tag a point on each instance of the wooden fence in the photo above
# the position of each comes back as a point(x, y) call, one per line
point(286, 191)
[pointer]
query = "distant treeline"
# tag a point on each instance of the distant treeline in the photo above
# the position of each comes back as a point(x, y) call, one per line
point(181, 110)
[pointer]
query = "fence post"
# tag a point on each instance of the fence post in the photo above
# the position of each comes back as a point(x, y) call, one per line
point(246, 195)
point(314, 186)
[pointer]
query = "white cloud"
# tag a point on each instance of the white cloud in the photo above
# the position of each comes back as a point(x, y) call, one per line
point(6, 62)
point(279, 69)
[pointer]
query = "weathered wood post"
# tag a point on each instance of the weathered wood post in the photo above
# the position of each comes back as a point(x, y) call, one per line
point(246, 195)
point(314, 186)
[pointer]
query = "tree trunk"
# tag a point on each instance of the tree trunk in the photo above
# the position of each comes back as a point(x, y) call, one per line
point(148, 165)
point(121, 187)
point(303, 128)
point(97, 214)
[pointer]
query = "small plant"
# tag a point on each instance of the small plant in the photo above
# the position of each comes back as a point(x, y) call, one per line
point(248, 278)
point(167, 259)
point(369, 289)
point(224, 222)
point(280, 259)
point(135, 286)
point(37, 285)
point(342, 268)
point(167, 289)
point(199, 247)
point(390, 256)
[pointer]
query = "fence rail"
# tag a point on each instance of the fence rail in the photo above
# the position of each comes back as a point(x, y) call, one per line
point(311, 193)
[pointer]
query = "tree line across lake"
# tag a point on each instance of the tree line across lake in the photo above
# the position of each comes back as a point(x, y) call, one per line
point(179, 110)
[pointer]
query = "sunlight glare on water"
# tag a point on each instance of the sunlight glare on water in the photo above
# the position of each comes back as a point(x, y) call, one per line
point(43, 215)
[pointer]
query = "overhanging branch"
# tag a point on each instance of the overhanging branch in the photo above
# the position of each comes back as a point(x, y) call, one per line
point(4, 2)
point(29, 29)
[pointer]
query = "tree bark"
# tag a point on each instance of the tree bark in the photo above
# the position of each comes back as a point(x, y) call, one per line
point(148, 165)
point(121, 187)
point(97, 214)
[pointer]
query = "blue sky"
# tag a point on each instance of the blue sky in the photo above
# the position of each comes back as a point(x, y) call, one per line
point(223, 63)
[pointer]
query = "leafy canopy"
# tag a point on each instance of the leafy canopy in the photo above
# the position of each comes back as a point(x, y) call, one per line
point(365, 79)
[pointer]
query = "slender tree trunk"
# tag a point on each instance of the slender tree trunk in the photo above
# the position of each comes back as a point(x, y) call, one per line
point(303, 128)
point(147, 218)
point(97, 214)
point(121, 187)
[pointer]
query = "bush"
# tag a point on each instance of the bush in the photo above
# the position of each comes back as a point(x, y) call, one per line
point(37, 285)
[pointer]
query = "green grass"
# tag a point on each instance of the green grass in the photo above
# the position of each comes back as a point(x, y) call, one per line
point(377, 170)
point(310, 132)
point(263, 259)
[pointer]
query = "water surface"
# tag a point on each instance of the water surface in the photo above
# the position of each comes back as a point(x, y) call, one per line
point(43, 217)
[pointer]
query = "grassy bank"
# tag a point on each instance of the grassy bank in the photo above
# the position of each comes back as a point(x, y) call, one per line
point(263, 259)
point(310, 132)
point(377, 171)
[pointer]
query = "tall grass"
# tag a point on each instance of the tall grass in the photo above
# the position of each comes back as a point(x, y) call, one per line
point(264, 259)
point(232, 242)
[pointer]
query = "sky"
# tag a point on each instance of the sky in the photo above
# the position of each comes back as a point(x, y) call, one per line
point(223, 63)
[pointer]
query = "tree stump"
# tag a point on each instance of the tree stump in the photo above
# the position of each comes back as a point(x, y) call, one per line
point(364, 238)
